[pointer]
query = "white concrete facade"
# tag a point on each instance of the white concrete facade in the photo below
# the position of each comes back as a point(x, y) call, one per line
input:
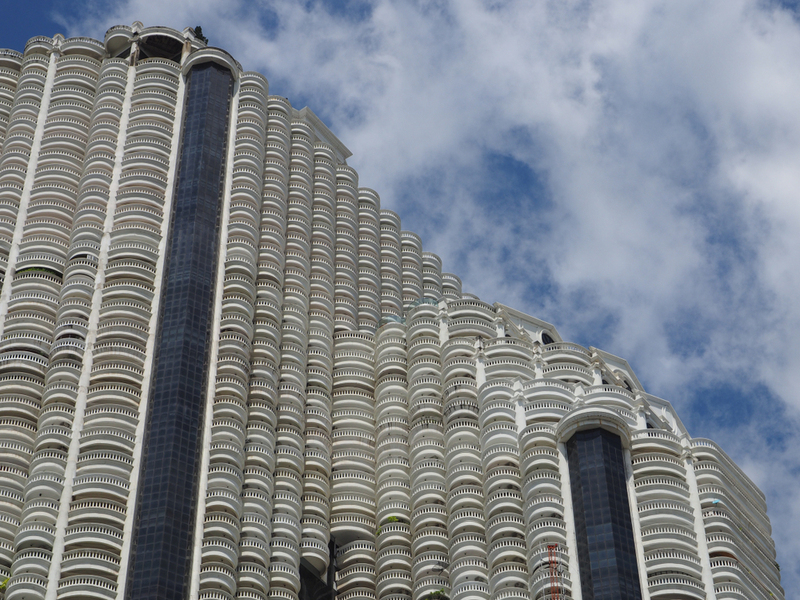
point(355, 391)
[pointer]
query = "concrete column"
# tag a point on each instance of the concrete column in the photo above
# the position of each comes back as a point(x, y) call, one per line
point(637, 527)
point(569, 522)
point(699, 525)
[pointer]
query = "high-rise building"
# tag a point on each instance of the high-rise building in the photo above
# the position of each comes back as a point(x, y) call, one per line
point(226, 373)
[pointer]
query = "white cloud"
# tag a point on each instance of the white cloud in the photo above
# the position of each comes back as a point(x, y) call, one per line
point(666, 132)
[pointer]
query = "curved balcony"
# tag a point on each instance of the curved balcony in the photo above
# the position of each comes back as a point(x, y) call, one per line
point(393, 558)
point(45, 485)
point(286, 526)
point(279, 593)
point(252, 581)
point(423, 364)
point(466, 545)
point(459, 368)
point(284, 575)
point(358, 575)
point(610, 395)
point(315, 551)
point(508, 367)
point(675, 587)
point(546, 530)
point(496, 411)
point(428, 471)
point(464, 497)
point(96, 511)
point(731, 591)
point(316, 460)
point(425, 346)
point(224, 476)
point(259, 456)
point(656, 441)
point(499, 433)
point(429, 515)
point(429, 539)
point(425, 408)
point(224, 501)
point(285, 550)
point(100, 537)
point(357, 552)
point(288, 457)
point(39, 510)
point(27, 586)
point(356, 459)
point(569, 372)
point(477, 590)
point(348, 527)
point(82, 586)
point(542, 505)
point(287, 503)
point(661, 488)
point(220, 551)
point(253, 549)
point(33, 561)
point(101, 438)
point(506, 347)
point(428, 492)
point(546, 410)
point(256, 526)
point(510, 577)
point(539, 457)
point(502, 478)
point(654, 464)
point(674, 561)
point(353, 481)
point(468, 307)
point(423, 327)
point(669, 537)
point(471, 327)
point(30, 535)
point(347, 503)
point(505, 525)
point(503, 501)
point(664, 513)
point(223, 525)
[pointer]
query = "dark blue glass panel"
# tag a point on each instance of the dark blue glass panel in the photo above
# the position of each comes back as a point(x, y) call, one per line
point(311, 586)
point(606, 551)
point(168, 485)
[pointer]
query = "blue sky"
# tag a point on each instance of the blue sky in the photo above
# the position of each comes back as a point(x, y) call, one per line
point(626, 171)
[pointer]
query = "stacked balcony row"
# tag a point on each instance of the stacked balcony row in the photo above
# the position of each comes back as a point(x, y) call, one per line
point(39, 302)
point(430, 567)
point(666, 515)
point(738, 533)
point(353, 478)
point(225, 563)
point(394, 518)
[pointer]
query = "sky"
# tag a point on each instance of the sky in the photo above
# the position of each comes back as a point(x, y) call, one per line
point(628, 171)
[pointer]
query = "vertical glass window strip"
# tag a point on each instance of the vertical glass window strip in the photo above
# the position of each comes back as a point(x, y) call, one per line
point(603, 527)
point(166, 507)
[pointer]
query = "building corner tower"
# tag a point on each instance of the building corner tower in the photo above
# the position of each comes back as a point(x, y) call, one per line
point(227, 373)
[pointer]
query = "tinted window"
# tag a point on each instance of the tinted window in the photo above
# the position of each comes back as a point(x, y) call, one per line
point(168, 484)
point(606, 551)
